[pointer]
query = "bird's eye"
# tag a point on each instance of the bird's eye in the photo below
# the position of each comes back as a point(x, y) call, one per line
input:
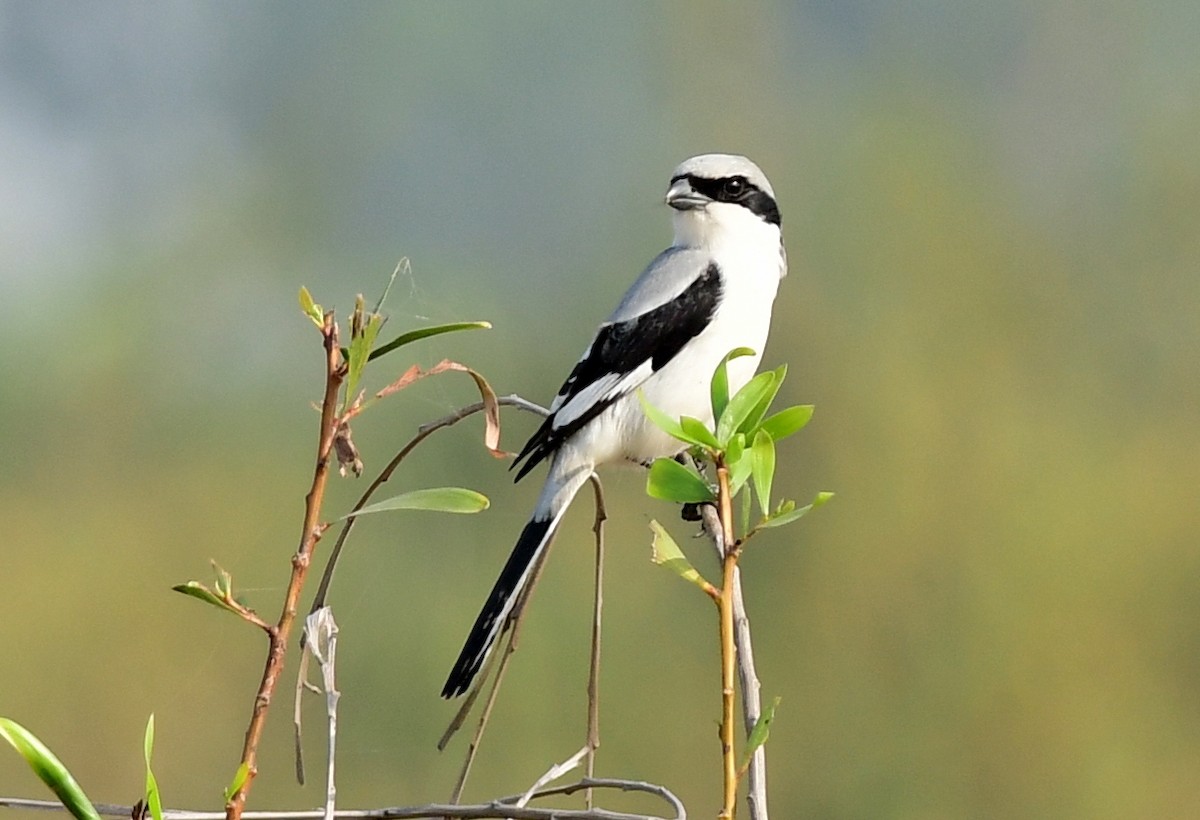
point(733, 187)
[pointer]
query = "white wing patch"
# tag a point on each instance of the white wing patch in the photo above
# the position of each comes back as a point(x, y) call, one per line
point(604, 389)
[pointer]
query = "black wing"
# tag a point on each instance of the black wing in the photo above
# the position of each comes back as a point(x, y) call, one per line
point(622, 356)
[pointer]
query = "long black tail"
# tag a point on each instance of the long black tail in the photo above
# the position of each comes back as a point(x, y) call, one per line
point(492, 617)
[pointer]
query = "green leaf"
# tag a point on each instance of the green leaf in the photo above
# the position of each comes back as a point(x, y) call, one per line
point(779, 519)
point(697, 432)
point(719, 389)
point(49, 768)
point(666, 553)
point(239, 780)
point(662, 421)
point(311, 309)
point(671, 481)
point(203, 593)
point(762, 469)
point(739, 467)
point(744, 505)
point(755, 416)
point(434, 499)
point(223, 583)
point(364, 327)
point(744, 402)
point(788, 421)
point(153, 799)
point(760, 732)
point(735, 450)
point(424, 333)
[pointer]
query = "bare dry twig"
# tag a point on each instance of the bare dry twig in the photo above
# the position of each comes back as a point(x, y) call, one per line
point(500, 660)
point(502, 809)
point(310, 533)
point(593, 689)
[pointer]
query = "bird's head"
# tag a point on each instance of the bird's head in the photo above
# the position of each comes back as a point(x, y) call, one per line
point(722, 196)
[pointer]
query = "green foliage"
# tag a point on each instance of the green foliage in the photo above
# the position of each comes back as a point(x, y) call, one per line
point(49, 768)
point(239, 779)
point(720, 381)
point(433, 499)
point(787, 422)
point(666, 553)
point(672, 481)
point(364, 327)
point(665, 422)
point(364, 330)
point(424, 333)
point(787, 512)
point(760, 732)
point(310, 308)
point(153, 799)
point(220, 595)
point(743, 442)
point(762, 468)
point(199, 591)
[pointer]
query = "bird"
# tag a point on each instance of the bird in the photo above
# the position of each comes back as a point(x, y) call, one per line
point(711, 291)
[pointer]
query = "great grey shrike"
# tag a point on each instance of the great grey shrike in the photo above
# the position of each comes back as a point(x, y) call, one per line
point(708, 293)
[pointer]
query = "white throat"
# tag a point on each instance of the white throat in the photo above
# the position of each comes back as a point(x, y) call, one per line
point(726, 228)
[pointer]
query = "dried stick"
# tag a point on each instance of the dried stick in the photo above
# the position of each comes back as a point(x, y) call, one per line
point(323, 631)
point(503, 809)
point(310, 533)
point(593, 689)
point(501, 660)
point(516, 618)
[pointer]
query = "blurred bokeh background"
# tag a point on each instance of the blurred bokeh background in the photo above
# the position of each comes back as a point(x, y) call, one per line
point(992, 212)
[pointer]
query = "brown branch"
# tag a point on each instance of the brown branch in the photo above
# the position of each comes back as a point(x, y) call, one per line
point(310, 533)
point(728, 651)
point(747, 672)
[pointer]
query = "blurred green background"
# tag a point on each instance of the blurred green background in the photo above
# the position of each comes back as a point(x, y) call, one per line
point(992, 212)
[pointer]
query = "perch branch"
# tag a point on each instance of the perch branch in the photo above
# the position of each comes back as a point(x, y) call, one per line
point(747, 673)
point(728, 651)
point(593, 689)
point(503, 809)
point(310, 533)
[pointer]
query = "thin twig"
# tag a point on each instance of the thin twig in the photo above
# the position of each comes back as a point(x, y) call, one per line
point(500, 661)
point(756, 794)
point(728, 650)
point(503, 809)
point(747, 673)
point(516, 618)
point(310, 533)
point(593, 689)
point(423, 432)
